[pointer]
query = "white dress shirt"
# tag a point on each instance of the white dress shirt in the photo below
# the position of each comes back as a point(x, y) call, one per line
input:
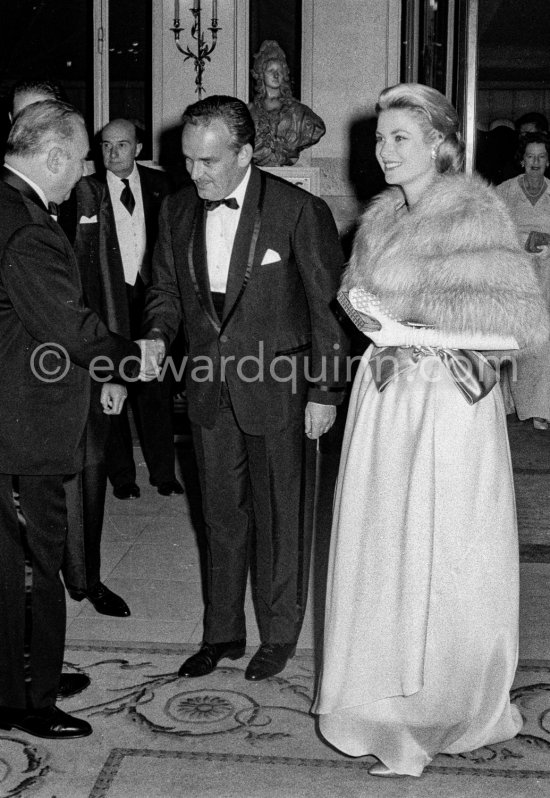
point(221, 228)
point(130, 228)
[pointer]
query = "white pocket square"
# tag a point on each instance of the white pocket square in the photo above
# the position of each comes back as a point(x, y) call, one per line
point(270, 257)
point(88, 219)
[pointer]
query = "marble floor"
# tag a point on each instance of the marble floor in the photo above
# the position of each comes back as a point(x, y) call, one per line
point(150, 556)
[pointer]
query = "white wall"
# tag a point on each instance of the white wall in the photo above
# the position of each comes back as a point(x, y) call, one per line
point(355, 49)
point(174, 77)
point(356, 45)
point(350, 52)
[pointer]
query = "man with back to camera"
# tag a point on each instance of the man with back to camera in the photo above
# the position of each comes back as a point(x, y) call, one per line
point(48, 341)
point(250, 263)
point(85, 492)
point(128, 229)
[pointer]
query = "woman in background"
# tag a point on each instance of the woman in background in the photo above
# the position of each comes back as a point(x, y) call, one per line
point(528, 199)
point(421, 628)
point(528, 195)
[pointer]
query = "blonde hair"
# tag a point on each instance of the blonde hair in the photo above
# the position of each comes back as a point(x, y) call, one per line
point(435, 114)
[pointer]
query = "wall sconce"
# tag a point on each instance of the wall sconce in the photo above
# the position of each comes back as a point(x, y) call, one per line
point(203, 51)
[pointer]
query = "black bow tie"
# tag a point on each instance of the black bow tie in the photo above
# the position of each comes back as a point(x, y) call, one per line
point(53, 209)
point(211, 205)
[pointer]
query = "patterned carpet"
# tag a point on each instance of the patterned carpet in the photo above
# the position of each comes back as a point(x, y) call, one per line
point(158, 736)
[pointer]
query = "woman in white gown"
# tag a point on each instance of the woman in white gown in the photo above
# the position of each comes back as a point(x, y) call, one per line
point(421, 628)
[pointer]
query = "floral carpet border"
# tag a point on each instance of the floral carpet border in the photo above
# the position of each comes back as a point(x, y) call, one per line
point(159, 704)
point(118, 755)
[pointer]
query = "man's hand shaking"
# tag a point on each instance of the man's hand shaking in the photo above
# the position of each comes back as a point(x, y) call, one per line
point(152, 354)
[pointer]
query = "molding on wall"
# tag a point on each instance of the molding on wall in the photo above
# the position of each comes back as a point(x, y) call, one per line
point(306, 86)
point(157, 74)
point(241, 22)
point(471, 77)
point(393, 44)
point(101, 64)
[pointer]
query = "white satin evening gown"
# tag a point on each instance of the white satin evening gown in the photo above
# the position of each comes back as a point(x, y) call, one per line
point(421, 627)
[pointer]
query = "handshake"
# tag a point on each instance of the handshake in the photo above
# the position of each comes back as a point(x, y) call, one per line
point(152, 354)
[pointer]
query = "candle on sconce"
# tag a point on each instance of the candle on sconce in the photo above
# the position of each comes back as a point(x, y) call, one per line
point(198, 36)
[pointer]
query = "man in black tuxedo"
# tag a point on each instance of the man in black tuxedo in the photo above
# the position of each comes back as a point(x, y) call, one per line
point(85, 492)
point(250, 263)
point(128, 226)
point(48, 342)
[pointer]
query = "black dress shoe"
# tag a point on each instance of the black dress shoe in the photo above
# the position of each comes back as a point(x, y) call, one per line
point(128, 491)
point(51, 723)
point(269, 659)
point(206, 659)
point(71, 684)
point(108, 603)
point(172, 488)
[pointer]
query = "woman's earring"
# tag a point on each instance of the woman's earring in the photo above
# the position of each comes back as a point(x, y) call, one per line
point(434, 155)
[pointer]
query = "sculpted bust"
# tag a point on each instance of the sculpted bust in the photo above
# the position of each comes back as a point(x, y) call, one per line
point(284, 126)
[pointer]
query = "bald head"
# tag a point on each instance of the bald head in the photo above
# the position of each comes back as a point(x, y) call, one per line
point(119, 147)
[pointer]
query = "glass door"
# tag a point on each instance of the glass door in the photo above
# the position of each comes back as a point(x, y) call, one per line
point(130, 66)
point(48, 41)
point(98, 52)
point(439, 49)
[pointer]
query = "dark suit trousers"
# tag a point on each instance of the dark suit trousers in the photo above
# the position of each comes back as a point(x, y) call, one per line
point(33, 528)
point(152, 408)
point(85, 493)
point(257, 494)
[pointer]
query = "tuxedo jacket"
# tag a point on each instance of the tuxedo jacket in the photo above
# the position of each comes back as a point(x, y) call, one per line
point(88, 220)
point(48, 339)
point(278, 343)
point(103, 290)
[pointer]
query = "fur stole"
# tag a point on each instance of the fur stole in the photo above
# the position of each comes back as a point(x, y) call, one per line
point(453, 261)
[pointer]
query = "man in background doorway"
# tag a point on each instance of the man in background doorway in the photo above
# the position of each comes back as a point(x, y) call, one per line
point(129, 215)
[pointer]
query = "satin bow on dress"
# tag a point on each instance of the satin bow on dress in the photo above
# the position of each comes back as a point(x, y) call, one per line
point(472, 374)
point(470, 371)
